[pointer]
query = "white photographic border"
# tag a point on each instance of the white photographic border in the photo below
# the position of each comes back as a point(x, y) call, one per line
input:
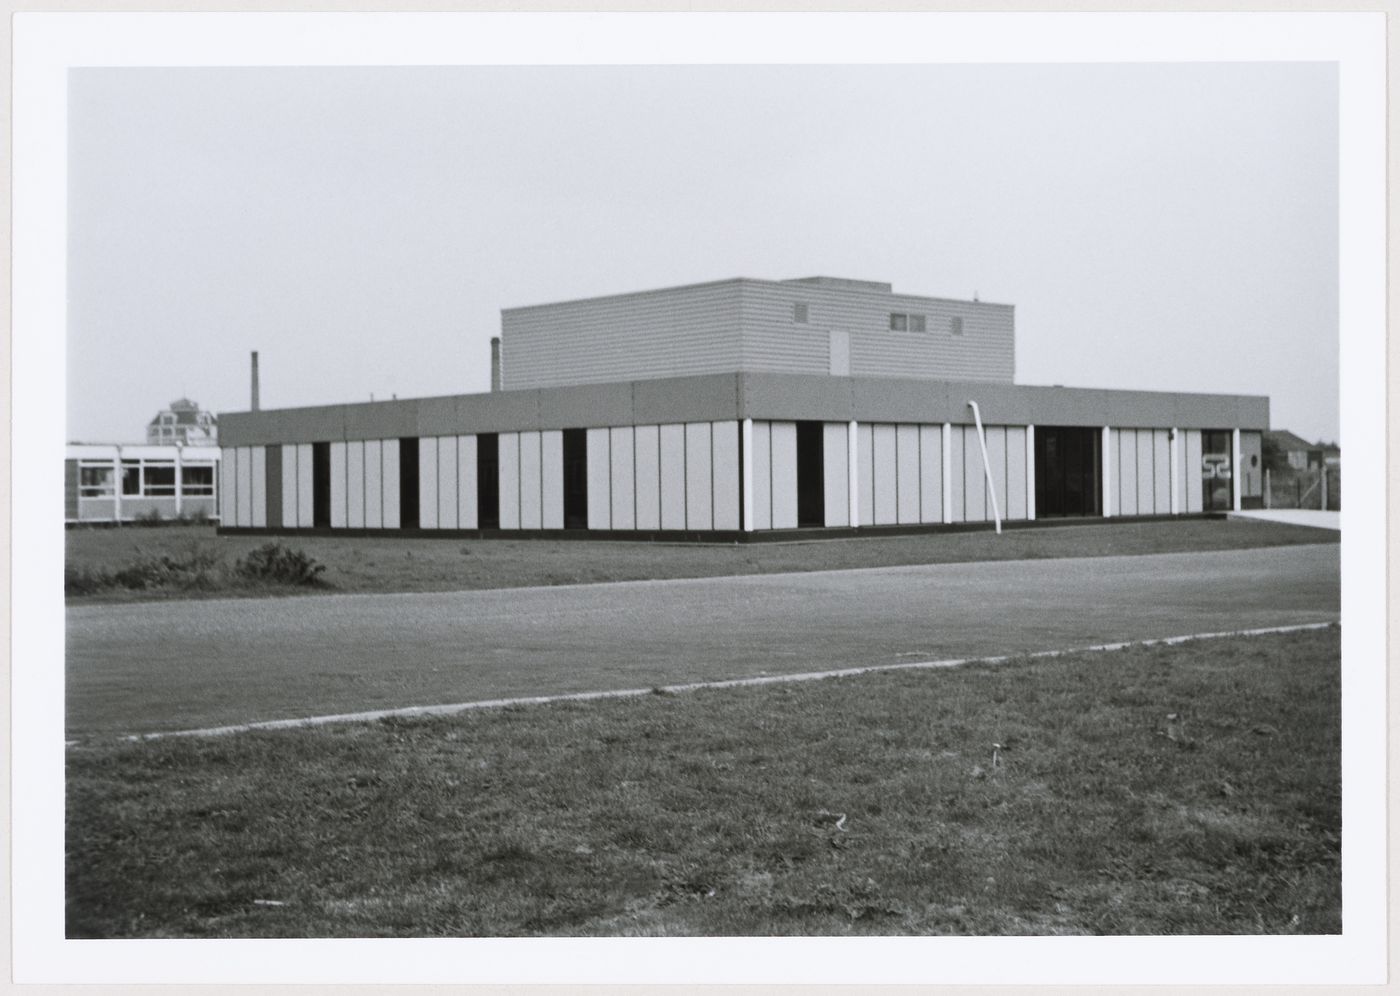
point(47, 45)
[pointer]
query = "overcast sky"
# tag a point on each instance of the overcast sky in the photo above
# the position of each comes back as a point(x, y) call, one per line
point(1164, 227)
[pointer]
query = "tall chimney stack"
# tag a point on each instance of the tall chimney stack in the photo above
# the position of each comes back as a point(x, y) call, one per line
point(495, 363)
point(255, 380)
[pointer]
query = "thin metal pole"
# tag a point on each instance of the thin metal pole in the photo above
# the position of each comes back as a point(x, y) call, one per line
point(986, 463)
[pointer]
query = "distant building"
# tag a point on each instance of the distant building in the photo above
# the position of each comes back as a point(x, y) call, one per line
point(183, 424)
point(1302, 454)
point(124, 483)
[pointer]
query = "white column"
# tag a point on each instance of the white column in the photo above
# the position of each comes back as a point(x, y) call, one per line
point(1235, 468)
point(1030, 473)
point(1107, 472)
point(179, 482)
point(852, 474)
point(1175, 453)
point(746, 474)
point(947, 473)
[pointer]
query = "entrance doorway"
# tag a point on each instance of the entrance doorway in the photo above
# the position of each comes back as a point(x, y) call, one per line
point(575, 478)
point(1217, 470)
point(1068, 471)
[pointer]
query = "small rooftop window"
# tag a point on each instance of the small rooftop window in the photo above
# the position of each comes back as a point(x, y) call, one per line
point(799, 313)
point(907, 323)
point(957, 323)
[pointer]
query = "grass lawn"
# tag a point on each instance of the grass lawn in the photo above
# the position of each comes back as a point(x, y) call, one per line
point(861, 805)
point(401, 565)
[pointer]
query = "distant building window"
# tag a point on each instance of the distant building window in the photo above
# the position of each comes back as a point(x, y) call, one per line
point(799, 314)
point(96, 482)
point(159, 480)
point(898, 322)
point(957, 328)
point(197, 480)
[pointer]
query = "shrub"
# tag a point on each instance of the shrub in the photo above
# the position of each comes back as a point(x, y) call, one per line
point(199, 517)
point(82, 581)
point(278, 564)
point(195, 566)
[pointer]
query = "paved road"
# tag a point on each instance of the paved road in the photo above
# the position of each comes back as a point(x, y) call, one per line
point(173, 665)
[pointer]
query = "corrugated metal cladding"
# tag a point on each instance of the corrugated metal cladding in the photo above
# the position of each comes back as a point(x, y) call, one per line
point(685, 330)
point(774, 342)
point(754, 325)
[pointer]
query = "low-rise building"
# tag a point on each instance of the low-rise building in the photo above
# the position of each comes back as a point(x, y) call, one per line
point(744, 406)
point(127, 483)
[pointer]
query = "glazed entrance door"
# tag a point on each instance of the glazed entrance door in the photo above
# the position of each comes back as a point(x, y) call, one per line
point(1067, 471)
point(1217, 471)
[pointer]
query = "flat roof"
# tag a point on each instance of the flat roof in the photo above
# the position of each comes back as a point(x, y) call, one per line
point(733, 396)
point(839, 284)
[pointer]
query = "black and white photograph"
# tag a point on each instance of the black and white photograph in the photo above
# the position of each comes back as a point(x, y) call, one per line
point(696, 481)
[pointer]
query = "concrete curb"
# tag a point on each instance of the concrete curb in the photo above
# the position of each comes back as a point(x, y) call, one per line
point(412, 712)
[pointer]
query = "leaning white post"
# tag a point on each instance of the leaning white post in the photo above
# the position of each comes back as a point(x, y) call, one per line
point(746, 494)
point(1235, 469)
point(986, 464)
point(1107, 472)
point(852, 475)
point(1030, 473)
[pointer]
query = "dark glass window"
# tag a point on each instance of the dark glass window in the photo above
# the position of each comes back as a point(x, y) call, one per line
point(811, 479)
point(575, 478)
point(96, 482)
point(321, 485)
point(160, 479)
point(488, 481)
point(408, 483)
point(197, 480)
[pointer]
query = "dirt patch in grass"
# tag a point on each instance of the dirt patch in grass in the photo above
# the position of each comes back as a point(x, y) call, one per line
point(403, 565)
point(1192, 789)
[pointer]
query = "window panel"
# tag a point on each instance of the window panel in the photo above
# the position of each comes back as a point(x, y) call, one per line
point(159, 479)
point(97, 482)
point(197, 480)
